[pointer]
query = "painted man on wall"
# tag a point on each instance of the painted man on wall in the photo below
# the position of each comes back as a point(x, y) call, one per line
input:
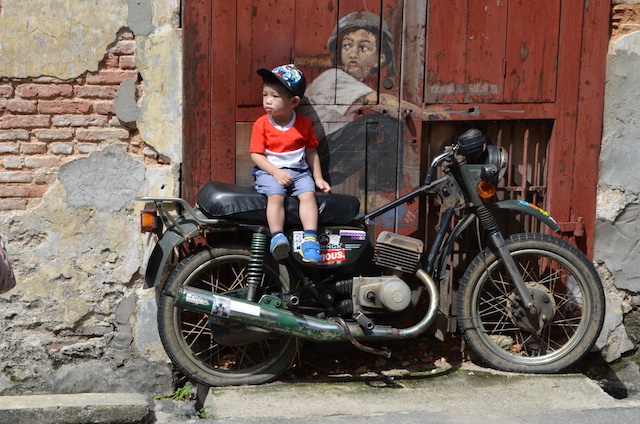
point(362, 135)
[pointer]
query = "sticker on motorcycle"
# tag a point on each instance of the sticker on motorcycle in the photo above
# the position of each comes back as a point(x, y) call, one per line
point(332, 256)
point(354, 234)
point(532, 206)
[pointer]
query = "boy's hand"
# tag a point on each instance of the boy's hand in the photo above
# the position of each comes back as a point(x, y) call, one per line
point(323, 185)
point(283, 177)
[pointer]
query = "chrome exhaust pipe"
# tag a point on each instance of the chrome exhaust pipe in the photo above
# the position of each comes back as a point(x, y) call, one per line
point(268, 314)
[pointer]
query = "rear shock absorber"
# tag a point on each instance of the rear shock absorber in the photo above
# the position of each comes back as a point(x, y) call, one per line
point(254, 270)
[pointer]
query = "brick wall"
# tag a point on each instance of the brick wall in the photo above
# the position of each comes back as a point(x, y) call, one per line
point(45, 122)
point(625, 19)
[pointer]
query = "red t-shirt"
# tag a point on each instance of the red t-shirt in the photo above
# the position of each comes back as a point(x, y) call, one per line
point(284, 146)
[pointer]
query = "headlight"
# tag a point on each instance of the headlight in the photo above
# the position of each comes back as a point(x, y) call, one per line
point(500, 158)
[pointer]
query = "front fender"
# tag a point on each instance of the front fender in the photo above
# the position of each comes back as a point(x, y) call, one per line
point(171, 238)
point(516, 205)
point(529, 209)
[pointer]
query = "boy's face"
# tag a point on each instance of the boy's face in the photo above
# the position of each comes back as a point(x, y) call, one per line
point(277, 101)
point(359, 53)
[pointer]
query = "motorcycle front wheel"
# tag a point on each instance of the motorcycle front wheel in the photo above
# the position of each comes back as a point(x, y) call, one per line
point(567, 291)
point(215, 351)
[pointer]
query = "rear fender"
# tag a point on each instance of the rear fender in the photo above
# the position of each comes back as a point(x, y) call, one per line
point(171, 238)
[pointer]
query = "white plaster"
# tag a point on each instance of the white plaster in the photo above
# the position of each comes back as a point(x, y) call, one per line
point(63, 39)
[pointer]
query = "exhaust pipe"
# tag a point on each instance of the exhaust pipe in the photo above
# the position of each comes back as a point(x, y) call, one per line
point(268, 314)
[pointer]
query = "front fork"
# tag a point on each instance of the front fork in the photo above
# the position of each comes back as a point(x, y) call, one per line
point(489, 223)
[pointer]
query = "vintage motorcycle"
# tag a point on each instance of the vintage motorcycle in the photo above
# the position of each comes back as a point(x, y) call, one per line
point(230, 314)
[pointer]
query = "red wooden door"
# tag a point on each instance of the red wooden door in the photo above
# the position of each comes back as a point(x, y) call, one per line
point(529, 73)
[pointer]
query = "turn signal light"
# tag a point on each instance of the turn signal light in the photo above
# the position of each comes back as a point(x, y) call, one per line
point(486, 190)
point(148, 221)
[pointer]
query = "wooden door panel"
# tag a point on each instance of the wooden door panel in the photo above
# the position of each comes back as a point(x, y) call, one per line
point(486, 39)
point(532, 51)
point(446, 51)
point(265, 33)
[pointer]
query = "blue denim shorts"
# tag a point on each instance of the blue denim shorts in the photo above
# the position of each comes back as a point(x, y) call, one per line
point(267, 185)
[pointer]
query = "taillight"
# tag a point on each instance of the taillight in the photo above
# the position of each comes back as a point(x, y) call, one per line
point(148, 221)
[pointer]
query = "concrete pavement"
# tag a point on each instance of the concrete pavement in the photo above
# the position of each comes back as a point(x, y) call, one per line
point(477, 395)
point(469, 394)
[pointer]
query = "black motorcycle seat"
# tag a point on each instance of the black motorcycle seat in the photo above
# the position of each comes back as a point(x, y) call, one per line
point(244, 204)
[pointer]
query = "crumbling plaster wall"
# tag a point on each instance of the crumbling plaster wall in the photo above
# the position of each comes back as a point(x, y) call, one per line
point(79, 319)
point(617, 238)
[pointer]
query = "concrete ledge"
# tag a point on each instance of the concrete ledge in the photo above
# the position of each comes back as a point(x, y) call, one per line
point(99, 408)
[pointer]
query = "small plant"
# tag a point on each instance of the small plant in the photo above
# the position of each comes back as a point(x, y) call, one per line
point(181, 393)
point(203, 414)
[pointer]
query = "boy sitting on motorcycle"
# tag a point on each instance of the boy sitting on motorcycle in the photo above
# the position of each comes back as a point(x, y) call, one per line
point(283, 147)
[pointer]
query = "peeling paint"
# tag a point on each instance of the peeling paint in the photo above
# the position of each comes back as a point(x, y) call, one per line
point(159, 61)
point(64, 39)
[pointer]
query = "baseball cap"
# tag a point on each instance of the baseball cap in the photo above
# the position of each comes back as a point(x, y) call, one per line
point(289, 75)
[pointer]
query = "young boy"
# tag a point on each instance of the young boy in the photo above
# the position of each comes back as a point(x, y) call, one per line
point(283, 147)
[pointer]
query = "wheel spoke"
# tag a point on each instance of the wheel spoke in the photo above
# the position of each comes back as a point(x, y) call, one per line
point(507, 336)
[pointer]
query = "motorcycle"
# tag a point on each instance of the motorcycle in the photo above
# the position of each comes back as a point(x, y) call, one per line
point(230, 314)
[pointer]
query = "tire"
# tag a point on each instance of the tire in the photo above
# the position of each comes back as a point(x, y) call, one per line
point(196, 343)
point(552, 268)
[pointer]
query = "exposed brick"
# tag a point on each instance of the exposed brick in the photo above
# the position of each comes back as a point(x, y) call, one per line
point(102, 134)
point(13, 204)
point(44, 176)
point(87, 148)
point(44, 91)
point(80, 120)
point(6, 91)
point(24, 121)
point(126, 34)
point(97, 92)
point(41, 161)
point(112, 77)
point(62, 149)
point(125, 47)
point(8, 148)
point(13, 162)
point(103, 108)
point(11, 135)
point(22, 190)
point(33, 148)
point(16, 177)
point(110, 61)
point(54, 135)
point(79, 107)
point(127, 62)
point(22, 106)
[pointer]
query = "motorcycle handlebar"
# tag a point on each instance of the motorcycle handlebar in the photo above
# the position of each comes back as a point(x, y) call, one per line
point(436, 161)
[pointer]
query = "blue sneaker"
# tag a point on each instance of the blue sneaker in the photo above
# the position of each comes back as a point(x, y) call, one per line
point(310, 251)
point(280, 247)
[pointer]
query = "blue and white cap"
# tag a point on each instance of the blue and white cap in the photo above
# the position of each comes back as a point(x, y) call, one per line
point(289, 75)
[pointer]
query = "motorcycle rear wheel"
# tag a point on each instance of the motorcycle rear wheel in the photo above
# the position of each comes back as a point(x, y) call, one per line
point(196, 343)
point(492, 320)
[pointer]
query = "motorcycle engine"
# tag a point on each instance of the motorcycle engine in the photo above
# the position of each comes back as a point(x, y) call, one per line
point(387, 293)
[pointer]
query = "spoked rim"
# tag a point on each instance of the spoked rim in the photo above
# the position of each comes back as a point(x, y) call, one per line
point(493, 313)
point(194, 333)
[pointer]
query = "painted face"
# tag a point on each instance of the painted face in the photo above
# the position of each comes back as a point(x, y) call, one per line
point(278, 102)
point(359, 53)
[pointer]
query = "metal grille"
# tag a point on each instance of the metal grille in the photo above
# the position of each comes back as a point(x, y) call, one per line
point(398, 252)
point(527, 143)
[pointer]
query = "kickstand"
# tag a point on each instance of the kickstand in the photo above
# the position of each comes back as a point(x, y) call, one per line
point(202, 392)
